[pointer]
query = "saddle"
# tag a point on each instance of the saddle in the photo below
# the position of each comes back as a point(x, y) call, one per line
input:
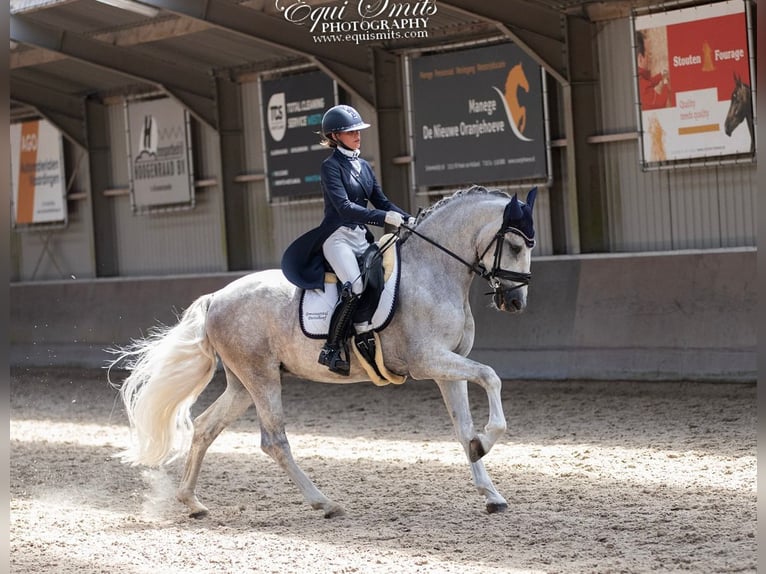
point(380, 276)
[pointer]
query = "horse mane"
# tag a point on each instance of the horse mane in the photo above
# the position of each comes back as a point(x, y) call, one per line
point(461, 193)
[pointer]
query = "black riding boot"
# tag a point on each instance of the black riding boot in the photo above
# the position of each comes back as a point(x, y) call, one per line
point(331, 355)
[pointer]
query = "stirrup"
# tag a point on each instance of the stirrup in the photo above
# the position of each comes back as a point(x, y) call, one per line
point(332, 359)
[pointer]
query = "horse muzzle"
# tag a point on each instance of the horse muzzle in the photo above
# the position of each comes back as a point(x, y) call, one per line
point(510, 300)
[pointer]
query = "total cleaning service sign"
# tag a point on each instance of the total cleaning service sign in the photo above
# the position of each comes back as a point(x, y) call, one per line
point(292, 113)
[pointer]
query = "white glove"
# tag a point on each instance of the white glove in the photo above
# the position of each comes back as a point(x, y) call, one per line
point(394, 218)
point(411, 221)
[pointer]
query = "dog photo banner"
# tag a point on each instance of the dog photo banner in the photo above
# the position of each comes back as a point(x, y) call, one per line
point(478, 117)
point(159, 155)
point(292, 112)
point(37, 173)
point(694, 83)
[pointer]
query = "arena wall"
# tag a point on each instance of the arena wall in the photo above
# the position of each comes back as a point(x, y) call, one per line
point(682, 315)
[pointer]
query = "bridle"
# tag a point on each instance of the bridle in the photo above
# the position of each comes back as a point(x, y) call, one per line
point(494, 275)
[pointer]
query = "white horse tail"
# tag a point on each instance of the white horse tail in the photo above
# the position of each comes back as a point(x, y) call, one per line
point(168, 371)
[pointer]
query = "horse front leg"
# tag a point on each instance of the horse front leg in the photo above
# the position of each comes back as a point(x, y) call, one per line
point(455, 395)
point(454, 367)
point(266, 392)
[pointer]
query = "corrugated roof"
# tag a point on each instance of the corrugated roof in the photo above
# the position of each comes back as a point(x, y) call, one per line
point(58, 41)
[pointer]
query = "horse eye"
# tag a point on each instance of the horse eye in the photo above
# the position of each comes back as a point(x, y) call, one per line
point(516, 249)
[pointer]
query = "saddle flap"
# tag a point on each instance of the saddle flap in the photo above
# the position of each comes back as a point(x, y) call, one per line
point(368, 351)
point(378, 303)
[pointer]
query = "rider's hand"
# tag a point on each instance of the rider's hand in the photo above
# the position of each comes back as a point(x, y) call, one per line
point(394, 218)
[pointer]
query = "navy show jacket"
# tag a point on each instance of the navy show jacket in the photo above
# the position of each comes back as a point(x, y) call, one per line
point(346, 194)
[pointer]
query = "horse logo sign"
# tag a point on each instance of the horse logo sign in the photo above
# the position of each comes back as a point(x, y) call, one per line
point(479, 116)
point(517, 114)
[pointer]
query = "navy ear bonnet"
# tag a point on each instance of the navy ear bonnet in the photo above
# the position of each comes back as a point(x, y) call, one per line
point(517, 218)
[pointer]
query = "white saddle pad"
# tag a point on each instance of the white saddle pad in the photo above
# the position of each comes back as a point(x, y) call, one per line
point(317, 306)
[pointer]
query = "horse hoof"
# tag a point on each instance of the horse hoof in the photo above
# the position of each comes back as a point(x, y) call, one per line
point(199, 514)
point(475, 450)
point(496, 507)
point(334, 511)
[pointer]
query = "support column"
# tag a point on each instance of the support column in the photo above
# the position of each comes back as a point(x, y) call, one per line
point(99, 160)
point(585, 180)
point(232, 150)
point(392, 127)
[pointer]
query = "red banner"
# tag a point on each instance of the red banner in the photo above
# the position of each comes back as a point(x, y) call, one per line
point(694, 83)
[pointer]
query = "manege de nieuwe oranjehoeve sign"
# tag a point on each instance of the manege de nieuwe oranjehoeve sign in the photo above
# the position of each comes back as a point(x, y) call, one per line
point(478, 117)
point(292, 116)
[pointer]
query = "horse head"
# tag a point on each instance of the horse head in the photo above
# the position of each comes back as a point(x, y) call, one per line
point(510, 262)
point(741, 106)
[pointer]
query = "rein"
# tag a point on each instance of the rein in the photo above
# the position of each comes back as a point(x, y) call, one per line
point(493, 275)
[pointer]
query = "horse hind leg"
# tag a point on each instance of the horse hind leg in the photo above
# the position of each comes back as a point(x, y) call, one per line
point(455, 395)
point(266, 392)
point(227, 408)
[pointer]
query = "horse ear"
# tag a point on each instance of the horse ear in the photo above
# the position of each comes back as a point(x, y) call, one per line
point(531, 197)
point(512, 211)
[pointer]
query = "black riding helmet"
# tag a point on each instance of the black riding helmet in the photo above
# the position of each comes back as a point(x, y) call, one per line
point(342, 119)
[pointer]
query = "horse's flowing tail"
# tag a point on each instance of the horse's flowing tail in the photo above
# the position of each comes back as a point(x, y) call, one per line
point(168, 371)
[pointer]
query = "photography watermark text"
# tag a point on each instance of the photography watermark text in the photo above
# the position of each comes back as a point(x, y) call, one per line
point(360, 20)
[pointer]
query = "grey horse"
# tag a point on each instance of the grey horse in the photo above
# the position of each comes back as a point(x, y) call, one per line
point(252, 326)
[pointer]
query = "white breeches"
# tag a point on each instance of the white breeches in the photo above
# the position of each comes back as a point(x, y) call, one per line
point(341, 250)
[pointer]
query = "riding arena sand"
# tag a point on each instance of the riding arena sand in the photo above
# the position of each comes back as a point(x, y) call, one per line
point(602, 477)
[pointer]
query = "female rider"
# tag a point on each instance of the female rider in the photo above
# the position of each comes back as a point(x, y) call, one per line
point(348, 183)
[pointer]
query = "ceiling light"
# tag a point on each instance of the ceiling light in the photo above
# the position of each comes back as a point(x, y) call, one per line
point(133, 6)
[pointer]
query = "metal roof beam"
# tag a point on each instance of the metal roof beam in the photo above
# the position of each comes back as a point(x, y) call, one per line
point(145, 32)
point(64, 111)
point(537, 29)
point(41, 96)
point(350, 68)
point(189, 86)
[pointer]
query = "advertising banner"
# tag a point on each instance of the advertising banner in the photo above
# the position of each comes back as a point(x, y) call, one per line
point(478, 117)
point(37, 173)
point(292, 113)
point(159, 154)
point(694, 83)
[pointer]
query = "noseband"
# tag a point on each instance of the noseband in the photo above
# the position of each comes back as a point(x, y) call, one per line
point(494, 275)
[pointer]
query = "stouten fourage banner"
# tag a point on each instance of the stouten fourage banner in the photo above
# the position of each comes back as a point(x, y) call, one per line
point(694, 83)
point(478, 117)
